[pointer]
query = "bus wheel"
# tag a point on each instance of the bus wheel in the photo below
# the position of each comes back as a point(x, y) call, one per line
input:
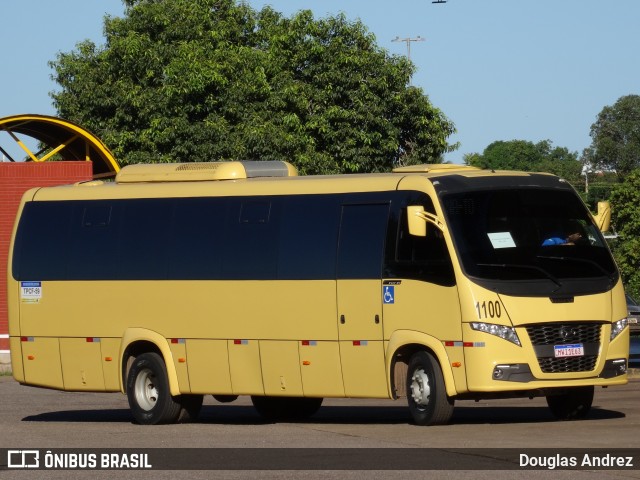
point(148, 391)
point(286, 408)
point(426, 393)
point(572, 403)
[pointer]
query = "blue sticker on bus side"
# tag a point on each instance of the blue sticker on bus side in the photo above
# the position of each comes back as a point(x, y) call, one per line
point(389, 294)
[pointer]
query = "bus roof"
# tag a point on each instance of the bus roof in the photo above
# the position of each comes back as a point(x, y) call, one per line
point(250, 178)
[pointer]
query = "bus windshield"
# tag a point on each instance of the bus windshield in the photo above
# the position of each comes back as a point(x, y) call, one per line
point(529, 241)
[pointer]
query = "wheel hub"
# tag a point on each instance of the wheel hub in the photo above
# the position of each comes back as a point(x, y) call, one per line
point(420, 389)
point(146, 390)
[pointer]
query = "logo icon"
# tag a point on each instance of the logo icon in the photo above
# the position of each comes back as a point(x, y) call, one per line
point(569, 333)
point(23, 459)
point(389, 295)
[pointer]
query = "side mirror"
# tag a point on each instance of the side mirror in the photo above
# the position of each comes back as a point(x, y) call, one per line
point(416, 220)
point(603, 217)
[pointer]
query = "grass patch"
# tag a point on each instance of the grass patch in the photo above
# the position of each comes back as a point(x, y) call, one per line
point(6, 373)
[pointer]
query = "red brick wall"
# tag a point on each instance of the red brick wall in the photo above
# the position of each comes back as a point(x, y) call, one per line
point(15, 179)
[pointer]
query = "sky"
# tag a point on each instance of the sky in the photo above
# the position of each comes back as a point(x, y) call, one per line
point(499, 69)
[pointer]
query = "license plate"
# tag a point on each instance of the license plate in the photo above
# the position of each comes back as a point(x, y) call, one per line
point(574, 350)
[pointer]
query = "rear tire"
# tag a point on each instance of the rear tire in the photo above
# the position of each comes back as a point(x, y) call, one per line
point(148, 391)
point(572, 404)
point(286, 408)
point(426, 392)
point(190, 407)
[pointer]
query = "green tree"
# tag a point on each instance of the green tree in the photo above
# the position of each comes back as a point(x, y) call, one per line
point(625, 216)
point(203, 80)
point(529, 157)
point(615, 137)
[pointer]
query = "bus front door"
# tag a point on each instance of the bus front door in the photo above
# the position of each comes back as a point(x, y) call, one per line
point(359, 288)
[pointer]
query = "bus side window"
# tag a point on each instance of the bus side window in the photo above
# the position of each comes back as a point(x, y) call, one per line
point(251, 239)
point(197, 234)
point(361, 241)
point(421, 258)
point(144, 240)
point(309, 238)
point(93, 240)
point(41, 244)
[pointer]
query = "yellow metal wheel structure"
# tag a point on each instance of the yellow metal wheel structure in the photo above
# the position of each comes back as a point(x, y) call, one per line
point(60, 138)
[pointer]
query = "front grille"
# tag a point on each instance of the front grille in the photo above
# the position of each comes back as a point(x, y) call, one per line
point(571, 364)
point(564, 333)
point(545, 336)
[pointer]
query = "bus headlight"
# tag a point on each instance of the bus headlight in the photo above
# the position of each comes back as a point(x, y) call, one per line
point(506, 333)
point(618, 327)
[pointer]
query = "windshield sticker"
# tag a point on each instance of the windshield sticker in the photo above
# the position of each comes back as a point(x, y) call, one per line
point(501, 240)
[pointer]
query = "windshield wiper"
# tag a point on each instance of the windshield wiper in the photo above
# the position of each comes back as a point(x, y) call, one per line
point(529, 267)
point(579, 260)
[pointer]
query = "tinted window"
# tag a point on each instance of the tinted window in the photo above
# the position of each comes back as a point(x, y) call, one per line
point(421, 258)
point(251, 240)
point(93, 240)
point(144, 239)
point(196, 238)
point(308, 238)
point(362, 233)
point(201, 238)
point(42, 241)
point(531, 241)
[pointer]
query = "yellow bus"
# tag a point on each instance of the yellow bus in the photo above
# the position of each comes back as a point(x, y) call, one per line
point(432, 283)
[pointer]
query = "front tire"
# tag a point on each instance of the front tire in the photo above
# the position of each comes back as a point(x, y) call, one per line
point(148, 391)
point(426, 392)
point(572, 404)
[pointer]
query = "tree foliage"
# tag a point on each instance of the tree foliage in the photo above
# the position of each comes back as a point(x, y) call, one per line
point(625, 216)
point(203, 80)
point(529, 157)
point(615, 137)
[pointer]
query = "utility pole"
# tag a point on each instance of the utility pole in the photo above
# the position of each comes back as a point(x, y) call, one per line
point(408, 41)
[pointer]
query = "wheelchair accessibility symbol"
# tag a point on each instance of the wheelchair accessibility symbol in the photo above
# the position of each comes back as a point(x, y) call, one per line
point(389, 295)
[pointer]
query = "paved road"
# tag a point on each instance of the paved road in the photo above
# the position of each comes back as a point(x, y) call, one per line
point(43, 419)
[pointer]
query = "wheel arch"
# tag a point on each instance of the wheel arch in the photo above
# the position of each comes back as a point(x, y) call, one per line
point(402, 345)
point(137, 341)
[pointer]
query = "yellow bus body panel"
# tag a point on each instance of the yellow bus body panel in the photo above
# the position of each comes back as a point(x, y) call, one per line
point(244, 365)
point(280, 361)
point(81, 364)
point(321, 370)
point(41, 360)
point(208, 365)
point(361, 338)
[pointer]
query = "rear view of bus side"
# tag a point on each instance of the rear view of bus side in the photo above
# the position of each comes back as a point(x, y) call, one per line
point(430, 284)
